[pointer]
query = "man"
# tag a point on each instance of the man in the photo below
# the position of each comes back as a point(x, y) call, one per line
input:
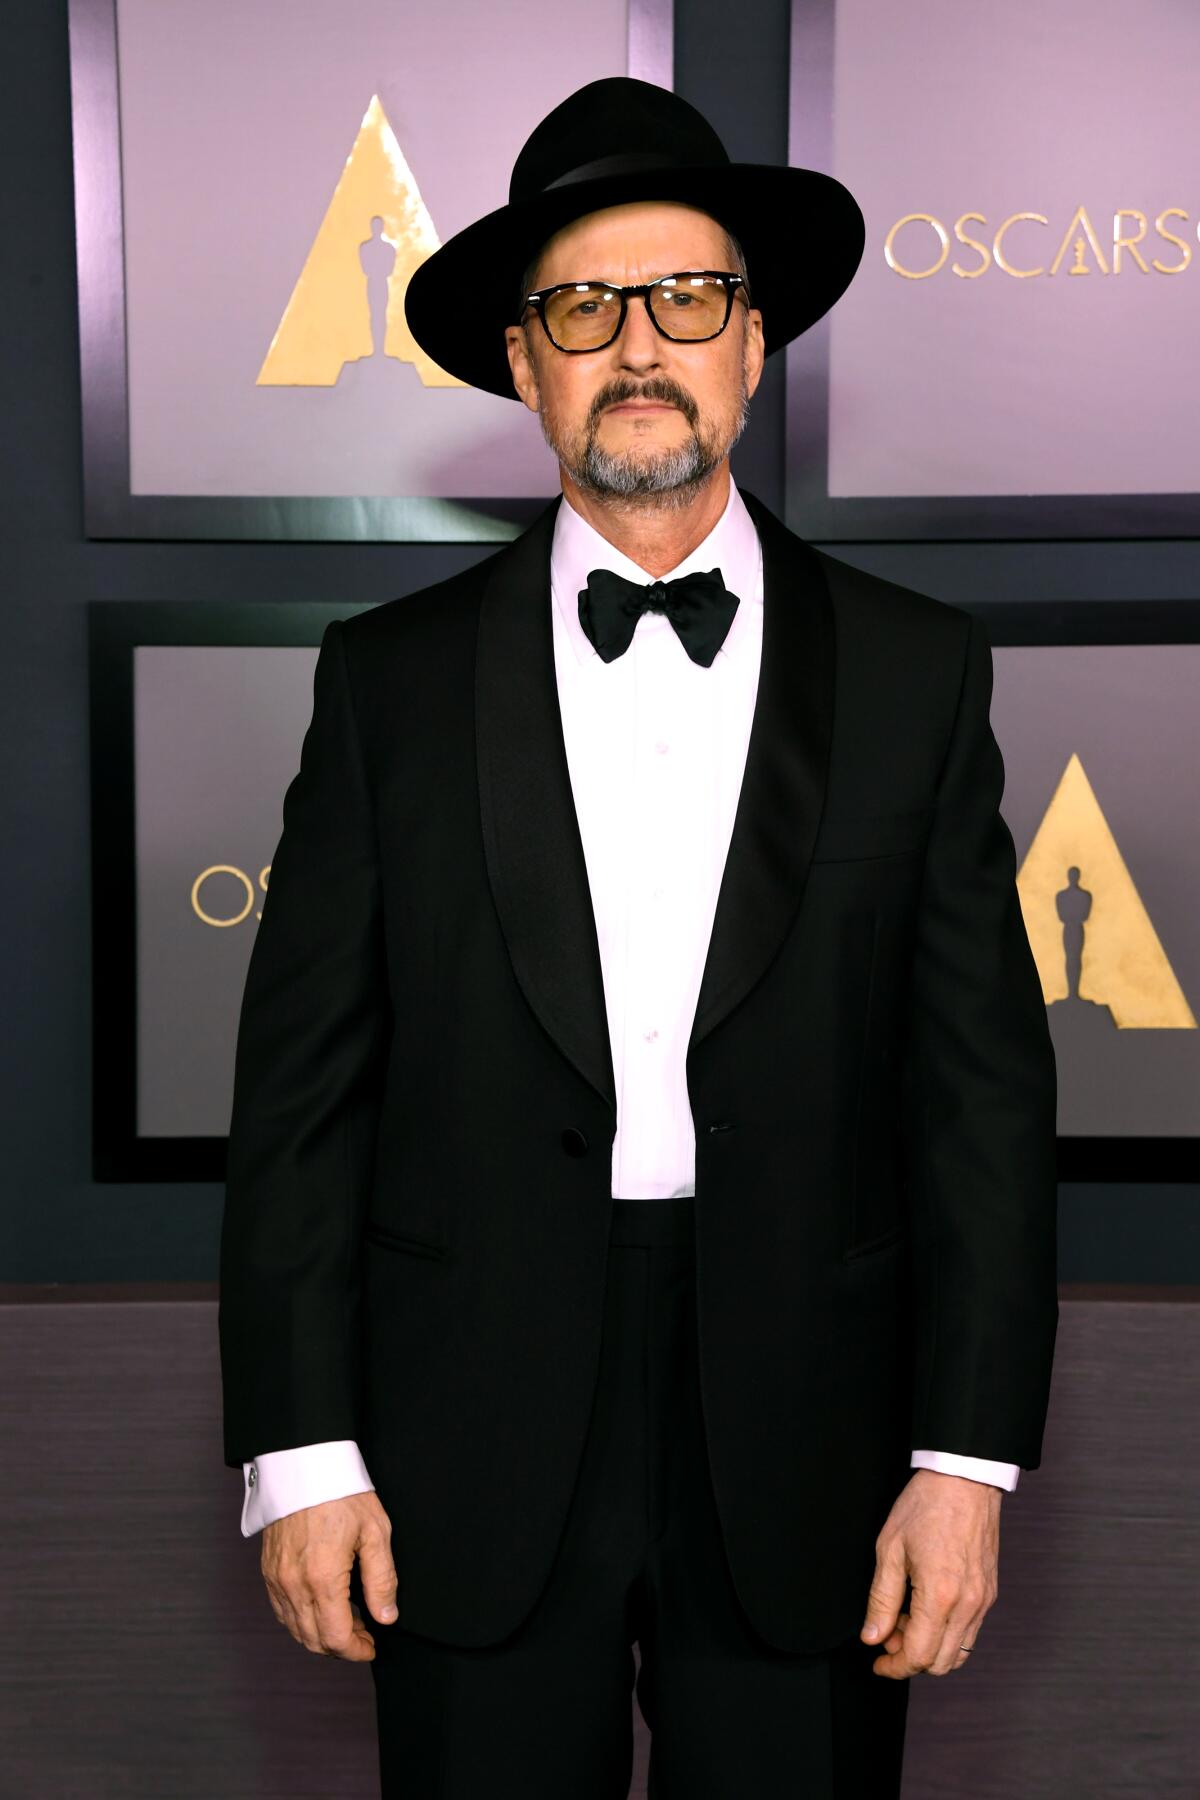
point(640, 1217)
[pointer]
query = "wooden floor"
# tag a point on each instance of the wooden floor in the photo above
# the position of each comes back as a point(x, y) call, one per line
point(139, 1656)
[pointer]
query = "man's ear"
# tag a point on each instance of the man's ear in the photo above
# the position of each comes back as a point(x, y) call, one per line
point(520, 361)
point(754, 351)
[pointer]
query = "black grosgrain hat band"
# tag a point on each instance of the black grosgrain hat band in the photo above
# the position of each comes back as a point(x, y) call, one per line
point(802, 232)
point(615, 165)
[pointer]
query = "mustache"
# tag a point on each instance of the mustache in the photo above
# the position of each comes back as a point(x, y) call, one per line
point(658, 388)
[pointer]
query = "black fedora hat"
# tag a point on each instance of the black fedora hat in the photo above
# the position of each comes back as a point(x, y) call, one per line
point(617, 140)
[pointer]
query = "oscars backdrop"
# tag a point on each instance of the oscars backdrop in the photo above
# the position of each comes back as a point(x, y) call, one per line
point(255, 185)
point(1018, 352)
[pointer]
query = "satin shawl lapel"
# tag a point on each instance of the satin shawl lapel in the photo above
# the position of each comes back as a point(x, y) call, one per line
point(787, 766)
point(531, 837)
point(531, 834)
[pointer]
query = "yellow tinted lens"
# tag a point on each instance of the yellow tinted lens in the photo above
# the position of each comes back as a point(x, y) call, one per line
point(580, 317)
point(689, 306)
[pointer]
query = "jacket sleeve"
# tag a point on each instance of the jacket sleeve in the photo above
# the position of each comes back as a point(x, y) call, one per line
point(981, 1110)
point(311, 1048)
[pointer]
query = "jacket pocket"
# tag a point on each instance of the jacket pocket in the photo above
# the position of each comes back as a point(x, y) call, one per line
point(406, 1241)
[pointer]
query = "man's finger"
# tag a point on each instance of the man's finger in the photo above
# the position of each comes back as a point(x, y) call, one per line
point(893, 1663)
point(308, 1631)
point(962, 1627)
point(887, 1590)
point(294, 1603)
point(278, 1606)
point(931, 1608)
point(338, 1633)
point(284, 1610)
point(378, 1573)
point(923, 1630)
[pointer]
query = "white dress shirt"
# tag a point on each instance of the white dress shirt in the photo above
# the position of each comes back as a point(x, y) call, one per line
point(656, 748)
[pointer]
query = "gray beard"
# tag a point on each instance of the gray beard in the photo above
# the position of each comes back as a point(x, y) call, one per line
point(669, 480)
point(672, 478)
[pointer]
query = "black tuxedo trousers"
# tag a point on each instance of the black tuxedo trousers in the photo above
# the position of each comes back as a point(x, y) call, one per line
point(547, 1713)
point(418, 1198)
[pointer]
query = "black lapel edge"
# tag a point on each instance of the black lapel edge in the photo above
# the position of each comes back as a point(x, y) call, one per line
point(532, 843)
point(786, 774)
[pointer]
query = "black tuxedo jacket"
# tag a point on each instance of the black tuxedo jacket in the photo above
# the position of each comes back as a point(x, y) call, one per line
point(414, 1239)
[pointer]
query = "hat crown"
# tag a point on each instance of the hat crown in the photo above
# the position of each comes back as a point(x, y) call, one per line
point(614, 126)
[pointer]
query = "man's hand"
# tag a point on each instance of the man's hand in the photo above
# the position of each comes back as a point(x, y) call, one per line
point(307, 1557)
point(944, 1533)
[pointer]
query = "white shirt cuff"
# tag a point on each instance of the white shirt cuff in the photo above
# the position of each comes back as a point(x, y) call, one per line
point(975, 1468)
point(283, 1481)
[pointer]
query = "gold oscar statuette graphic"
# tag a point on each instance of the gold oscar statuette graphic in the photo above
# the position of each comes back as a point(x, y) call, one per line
point(1091, 936)
point(348, 303)
point(1079, 266)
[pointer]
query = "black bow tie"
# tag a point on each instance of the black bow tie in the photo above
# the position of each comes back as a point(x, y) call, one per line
point(699, 606)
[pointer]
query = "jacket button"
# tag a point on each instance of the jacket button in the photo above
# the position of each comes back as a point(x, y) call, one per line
point(573, 1141)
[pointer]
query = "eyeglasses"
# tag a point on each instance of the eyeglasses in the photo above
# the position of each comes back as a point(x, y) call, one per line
point(690, 307)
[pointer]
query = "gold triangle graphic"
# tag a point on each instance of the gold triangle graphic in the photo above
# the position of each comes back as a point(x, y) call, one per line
point(1123, 966)
point(328, 320)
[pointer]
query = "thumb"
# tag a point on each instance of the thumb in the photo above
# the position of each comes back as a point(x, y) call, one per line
point(378, 1573)
point(887, 1593)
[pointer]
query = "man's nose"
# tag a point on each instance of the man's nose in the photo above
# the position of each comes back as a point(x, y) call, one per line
point(639, 343)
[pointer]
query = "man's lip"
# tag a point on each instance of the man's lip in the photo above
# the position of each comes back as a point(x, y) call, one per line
point(643, 406)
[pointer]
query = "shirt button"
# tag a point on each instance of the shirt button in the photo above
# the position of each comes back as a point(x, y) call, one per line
point(662, 747)
point(252, 1476)
point(656, 893)
point(651, 1034)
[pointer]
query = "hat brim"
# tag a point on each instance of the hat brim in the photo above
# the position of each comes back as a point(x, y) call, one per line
point(802, 231)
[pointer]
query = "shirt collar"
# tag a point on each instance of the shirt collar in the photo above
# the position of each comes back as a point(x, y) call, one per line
point(731, 546)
